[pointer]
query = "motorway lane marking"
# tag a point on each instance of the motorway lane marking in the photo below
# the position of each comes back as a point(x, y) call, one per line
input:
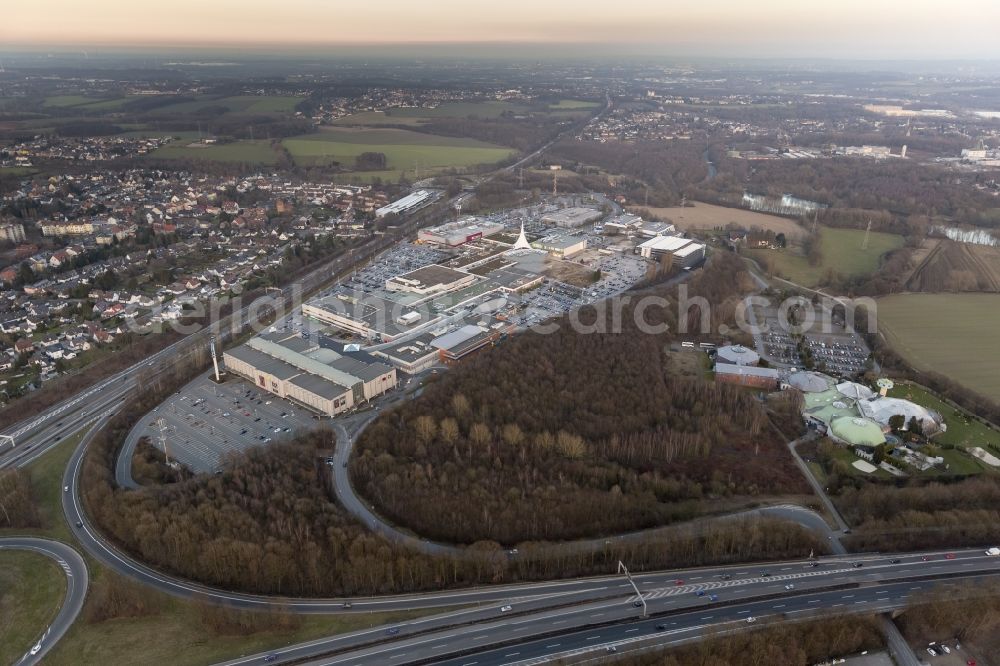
point(553, 645)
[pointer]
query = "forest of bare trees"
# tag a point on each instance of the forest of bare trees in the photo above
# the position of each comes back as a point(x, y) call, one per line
point(922, 515)
point(666, 167)
point(968, 612)
point(897, 187)
point(786, 644)
point(568, 435)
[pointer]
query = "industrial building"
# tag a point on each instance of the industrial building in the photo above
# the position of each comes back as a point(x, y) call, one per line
point(683, 251)
point(412, 356)
point(367, 315)
point(429, 280)
point(457, 233)
point(408, 204)
point(561, 245)
point(569, 218)
point(747, 375)
point(457, 344)
point(321, 378)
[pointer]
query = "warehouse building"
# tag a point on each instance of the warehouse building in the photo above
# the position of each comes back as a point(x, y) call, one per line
point(689, 255)
point(561, 245)
point(457, 233)
point(747, 375)
point(456, 345)
point(569, 218)
point(408, 204)
point(323, 379)
point(367, 315)
point(413, 355)
point(683, 251)
point(429, 280)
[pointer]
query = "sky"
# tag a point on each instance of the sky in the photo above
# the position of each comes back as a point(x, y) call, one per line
point(910, 29)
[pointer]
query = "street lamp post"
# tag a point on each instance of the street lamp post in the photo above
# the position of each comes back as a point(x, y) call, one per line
point(628, 577)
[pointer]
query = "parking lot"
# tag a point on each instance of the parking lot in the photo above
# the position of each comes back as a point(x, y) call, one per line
point(401, 259)
point(205, 421)
point(839, 355)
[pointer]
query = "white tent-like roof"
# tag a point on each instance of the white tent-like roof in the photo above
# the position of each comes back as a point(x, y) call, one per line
point(809, 382)
point(882, 409)
point(855, 391)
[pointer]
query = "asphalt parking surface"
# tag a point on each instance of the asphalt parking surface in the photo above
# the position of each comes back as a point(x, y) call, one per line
point(205, 421)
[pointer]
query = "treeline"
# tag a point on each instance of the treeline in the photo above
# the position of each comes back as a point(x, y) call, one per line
point(566, 435)
point(969, 612)
point(666, 167)
point(785, 644)
point(900, 187)
point(17, 503)
point(922, 515)
point(149, 466)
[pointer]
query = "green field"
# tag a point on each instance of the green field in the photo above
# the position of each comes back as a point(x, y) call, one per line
point(952, 334)
point(404, 150)
point(237, 104)
point(32, 588)
point(573, 105)
point(253, 152)
point(841, 253)
point(963, 430)
point(70, 100)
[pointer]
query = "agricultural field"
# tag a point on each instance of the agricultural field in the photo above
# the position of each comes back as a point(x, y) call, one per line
point(65, 101)
point(952, 266)
point(239, 104)
point(840, 251)
point(709, 217)
point(951, 334)
point(404, 150)
point(252, 152)
point(573, 105)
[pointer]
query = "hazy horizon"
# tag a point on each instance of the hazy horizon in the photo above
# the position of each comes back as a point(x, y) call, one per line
point(850, 29)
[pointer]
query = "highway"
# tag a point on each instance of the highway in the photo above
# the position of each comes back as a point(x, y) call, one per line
point(536, 630)
point(76, 591)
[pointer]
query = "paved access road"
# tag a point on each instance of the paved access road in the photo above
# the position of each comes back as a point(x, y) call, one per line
point(76, 590)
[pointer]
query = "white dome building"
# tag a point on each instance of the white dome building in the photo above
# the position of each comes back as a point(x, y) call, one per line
point(737, 355)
